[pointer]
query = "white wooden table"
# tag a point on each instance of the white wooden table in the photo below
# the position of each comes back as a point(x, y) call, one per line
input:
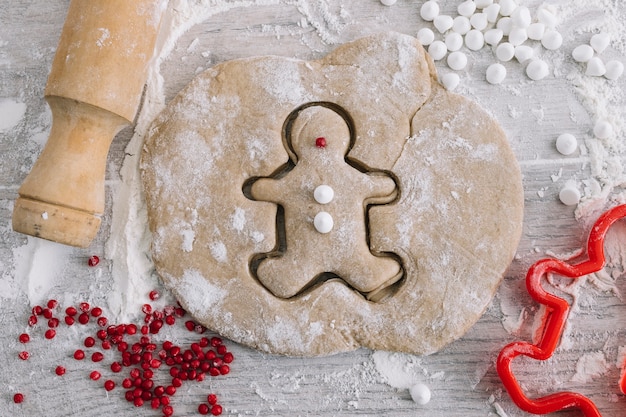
point(462, 377)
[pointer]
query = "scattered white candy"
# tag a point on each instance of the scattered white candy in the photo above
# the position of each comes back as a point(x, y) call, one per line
point(437, 50)
point(600, 41)
point(537, 70)
point(467, 8)
point(546, 17)
point(582, 53)
point(492, 12)
point(474, 40)
point(523, 53)
point(461, 25)
point(323, 194)
point(614, 70)
point(493, 36)
point(505, 24)
point(479, 21)
point(518, 36)
point(450, 81)
point(603, 129)
point(570, 195)
point(425, 36)
point(521, 17)
point(566, 144)
point(454, 41)
point(507, 7)
point(429, 10)
point(536, 31)
point(420, 393)
point(595, 67)
point(481, 4)
point(505, 52)
point(323, 222)
point(443, 22)
point(552, 40)
point(388, 2)
point(496, 73)
point(457, 60)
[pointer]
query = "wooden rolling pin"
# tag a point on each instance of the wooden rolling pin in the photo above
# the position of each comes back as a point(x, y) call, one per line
point(94, 90)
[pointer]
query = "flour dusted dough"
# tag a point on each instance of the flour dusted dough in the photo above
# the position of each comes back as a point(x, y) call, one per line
point(453, 226)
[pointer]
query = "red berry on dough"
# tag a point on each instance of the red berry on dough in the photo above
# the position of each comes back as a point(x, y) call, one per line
point(95, 375)
point(24, 338)
point(109, 385)
point(60, 370)
point(320, 142)
point(93, 260)
point(154, 295)
point(216, 410)
point(50, 333)
point(23, 355)
point(18, 398)
point(203, 409)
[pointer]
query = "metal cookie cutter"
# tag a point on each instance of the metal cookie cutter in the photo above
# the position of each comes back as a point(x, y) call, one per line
point(557, 310)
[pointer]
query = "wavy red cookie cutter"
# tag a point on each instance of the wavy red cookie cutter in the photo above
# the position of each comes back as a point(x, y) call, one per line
point(557, 310)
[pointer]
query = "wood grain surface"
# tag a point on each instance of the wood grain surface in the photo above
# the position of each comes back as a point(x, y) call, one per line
point(462, 376)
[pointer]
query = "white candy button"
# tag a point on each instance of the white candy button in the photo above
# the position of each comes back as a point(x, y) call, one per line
point(437, 50)
point(493, 37)
point(537, 70)
point(507, 7)
point(546, 17)
point(517, 36)
point(552, 40)
point(492, 12)
point(474, 40)
point(521, 17)
point(388, 2)
point(595, 67)
point(505, 52)
point(569, 194)
point(481, 4)
point(479, 21)
point(450, 81)
point(457, 60)
point(323, 194)
point(582, 53)
point(420, 393)
point(614, 70)
point(496, 73)
point(323, 222)
point(461, 25)
point(566, 144)
point(429, 10)
point(467, 8)
point(600, 41)
point(454, 41)
point(536, 31)
point(505, 24)
point(523, 53)
point(443, 22)
point(603, 129)
point(425, 36)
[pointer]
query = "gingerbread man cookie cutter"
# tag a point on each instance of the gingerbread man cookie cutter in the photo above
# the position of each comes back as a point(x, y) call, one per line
point(555, 317)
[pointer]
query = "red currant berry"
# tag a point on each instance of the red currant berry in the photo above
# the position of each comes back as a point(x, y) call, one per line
point(95, 375)
point(79, 354)
point(203, 409)
point(320, 142)
point(24, 338)
point(216, 410)
point(18, 398)
point(60, 370)
point(109, 385)
point(93, 260)
point(23, 355)
point(50, 333)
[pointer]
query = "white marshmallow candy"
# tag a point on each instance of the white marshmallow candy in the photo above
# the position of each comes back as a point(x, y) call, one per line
point(496, 73)
point(523, 53)
point(454, 41)
point(566, 144)
point(505, 24)
point(518, 36)
point(429, 10)
point(425, 36)
point(474, 40)
point(437, 50)
point(450, 81)
point(461, 25)
point(420, 393)
point(521, 17)
point(614, 70)
point(467, 8)
point(323, 194)
point(481, 4)
point(443, 23)
point(323, 222)
point(595, 67)
point(388, 2)
point(547, 17)
point(507, 7)
point(570, 195)
point(505, 52)
point(492, 12)
point(493, 37)
point(537, 70)
point(457, 60)
point(552, 40)
point(603, 129)
point(600, 41)
point(582, 53)
point(479, 21)
point(536, 31)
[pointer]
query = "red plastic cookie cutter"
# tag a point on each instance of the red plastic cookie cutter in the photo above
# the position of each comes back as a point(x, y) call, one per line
point(557, 310)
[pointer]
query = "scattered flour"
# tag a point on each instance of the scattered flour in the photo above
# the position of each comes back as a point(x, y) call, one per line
point(11, 112)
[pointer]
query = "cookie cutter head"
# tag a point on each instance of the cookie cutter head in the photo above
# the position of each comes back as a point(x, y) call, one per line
point(556, 313)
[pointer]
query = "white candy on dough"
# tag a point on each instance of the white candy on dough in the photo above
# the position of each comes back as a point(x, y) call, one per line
point(496, 73)
point(467, 8)
point(566, 144)
point(552, 40)
point(521, 17)
point(537, 70)
point(437, 50)
point(323, 194)
point(505, 52)
point(603, 129)
point(614, 69)
point(425, 36)
point(492, 12)
point(479, 21)
point(443, 22)
point(474, 40)
point(505, 24)
point(582, 53)
point(420, 393)
point(457, 60)
point(570, 195)
point(454, 41)
point(523, 53)
point(595, 67)
point(450, 81)
point(461, 25)
point(536, 31)
point(507, 7)
point(518, 36)
point(429, 10)
point(493, 36)
point(600, 41)
point(323, 222)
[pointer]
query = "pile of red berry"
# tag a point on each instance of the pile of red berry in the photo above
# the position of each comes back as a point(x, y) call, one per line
point(138, 356)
